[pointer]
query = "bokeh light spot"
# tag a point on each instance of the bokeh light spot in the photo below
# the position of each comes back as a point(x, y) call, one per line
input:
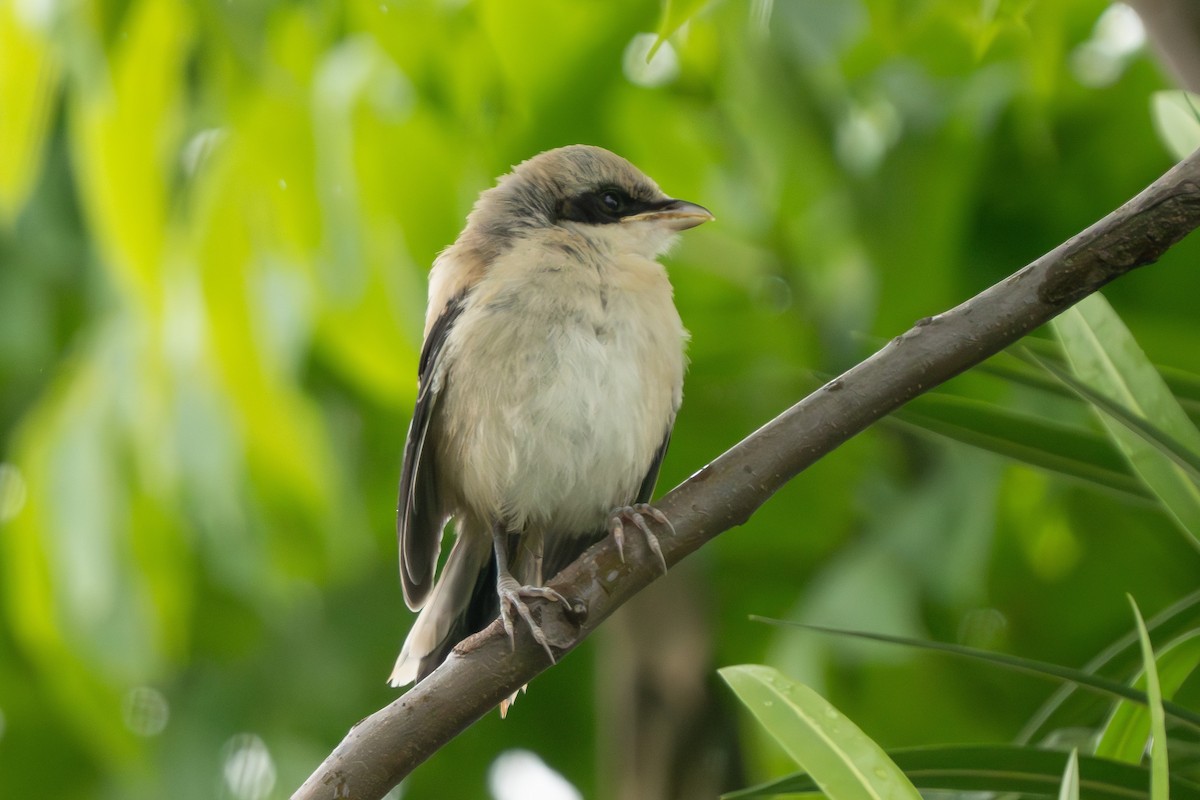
point(658, 71)
point(12, 492)
point(145, 711)
point(520, 774)
point(1117, 36)
point(248, 769)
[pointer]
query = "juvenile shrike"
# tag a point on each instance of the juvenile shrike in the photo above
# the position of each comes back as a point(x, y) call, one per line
point(548, 384)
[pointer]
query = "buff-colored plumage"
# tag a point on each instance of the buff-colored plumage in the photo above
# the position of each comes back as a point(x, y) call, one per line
point(551, 375)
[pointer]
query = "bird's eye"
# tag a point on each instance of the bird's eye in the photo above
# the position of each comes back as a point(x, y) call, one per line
point(613, 202)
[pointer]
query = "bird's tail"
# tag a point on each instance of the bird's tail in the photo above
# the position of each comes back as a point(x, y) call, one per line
point(462, 602)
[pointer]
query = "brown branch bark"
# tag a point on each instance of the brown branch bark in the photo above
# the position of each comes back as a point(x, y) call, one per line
point(386, 746)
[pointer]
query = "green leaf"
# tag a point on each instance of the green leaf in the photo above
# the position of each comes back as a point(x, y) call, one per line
point(29, 79)
point(1124, 735)
point(1015, 365)
point(1027, 665)
point(1069, 790)
point(124, 131)
point(1180, 618)
point(1159, 771)
point(1070, 452)
point(1015, 368)
point(1186, 388)
point(1148, 432)
point(845, 763)
point(675, 15)
point(1177, 121)
point(1016, 769)
point(1104, 356)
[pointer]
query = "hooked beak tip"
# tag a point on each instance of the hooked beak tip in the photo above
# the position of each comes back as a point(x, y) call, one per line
point(677, 214)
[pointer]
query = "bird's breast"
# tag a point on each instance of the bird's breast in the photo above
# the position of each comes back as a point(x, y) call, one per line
point(560, 384)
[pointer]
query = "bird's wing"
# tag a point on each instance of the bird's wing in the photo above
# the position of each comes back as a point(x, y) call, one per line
point(646, 490)
point(420, 515)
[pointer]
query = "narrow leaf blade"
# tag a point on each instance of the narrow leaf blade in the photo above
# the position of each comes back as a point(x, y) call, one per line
point(845, 763)
point(1159, 771)
point(30, 75)
point(1124, 736)
point(1040, 443)
point(1069, 790)
point(1003, 769)
point(1104, 355)
point(1145, 430)
point(675, 14)
point(1031, 666)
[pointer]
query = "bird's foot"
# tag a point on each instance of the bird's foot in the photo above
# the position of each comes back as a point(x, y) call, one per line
point(511, 594)
point(636, 516)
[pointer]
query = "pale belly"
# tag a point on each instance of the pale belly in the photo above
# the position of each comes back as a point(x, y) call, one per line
point(559, 413)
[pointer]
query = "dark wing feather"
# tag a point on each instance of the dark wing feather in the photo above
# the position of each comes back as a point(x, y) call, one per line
point(646, 490)
point(420, 515)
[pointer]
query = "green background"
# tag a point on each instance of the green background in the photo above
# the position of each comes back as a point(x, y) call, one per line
point(215, 223)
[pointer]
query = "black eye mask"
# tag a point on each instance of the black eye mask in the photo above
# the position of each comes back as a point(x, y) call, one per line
point(604, 205)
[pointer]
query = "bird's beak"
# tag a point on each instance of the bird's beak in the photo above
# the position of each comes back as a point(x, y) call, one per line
point(676, 214)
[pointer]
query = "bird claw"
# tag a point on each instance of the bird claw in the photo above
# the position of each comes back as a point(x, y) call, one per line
point(511, 593)
point(636, 515)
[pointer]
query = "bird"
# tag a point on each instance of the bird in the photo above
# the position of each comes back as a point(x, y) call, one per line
point(548, 383)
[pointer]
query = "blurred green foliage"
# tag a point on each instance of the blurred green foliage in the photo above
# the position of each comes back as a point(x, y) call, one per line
point(215, 220)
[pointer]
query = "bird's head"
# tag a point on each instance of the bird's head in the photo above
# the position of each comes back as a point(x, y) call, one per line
point(590, 191)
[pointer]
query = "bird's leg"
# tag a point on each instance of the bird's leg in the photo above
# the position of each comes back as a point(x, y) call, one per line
point(636, 515)
point(511, 592)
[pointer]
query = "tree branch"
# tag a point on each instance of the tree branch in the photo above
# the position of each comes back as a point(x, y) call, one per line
point(386, 746)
